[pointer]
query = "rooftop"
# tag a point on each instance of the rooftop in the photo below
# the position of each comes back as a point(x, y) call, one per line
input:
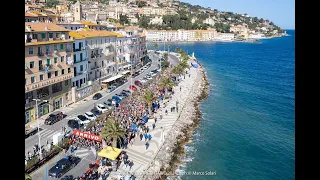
point(43, 27)
point(90, 33)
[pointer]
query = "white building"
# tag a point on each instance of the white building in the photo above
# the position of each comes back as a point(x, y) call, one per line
point(256, 36)
point(224, 37)
point(209, 21)
point(72, 25)
point(156, 20)
point(80, 61)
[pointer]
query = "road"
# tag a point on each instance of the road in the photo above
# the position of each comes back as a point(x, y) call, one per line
point(86, 155)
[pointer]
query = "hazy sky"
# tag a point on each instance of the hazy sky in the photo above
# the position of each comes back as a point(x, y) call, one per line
point(280, 12)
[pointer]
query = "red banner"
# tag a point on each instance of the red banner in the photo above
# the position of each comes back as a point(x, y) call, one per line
point(87, 135)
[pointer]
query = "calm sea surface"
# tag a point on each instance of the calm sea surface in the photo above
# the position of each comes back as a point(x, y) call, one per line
point(247, 130)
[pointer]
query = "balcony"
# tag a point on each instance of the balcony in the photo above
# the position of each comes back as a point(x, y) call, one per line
point(69, 50)
point(95, 67)
point(47, 67)
point(40, 54)
point(86, 59)
point(47, 82)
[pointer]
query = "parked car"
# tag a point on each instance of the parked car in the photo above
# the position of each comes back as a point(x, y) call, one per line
point(126, 92)
point(97, 96)
point(145, 67)
point(73, 124)
point(116, 84)
point(138, 83)
point(121, 96)
point(153, 74)
point(101, 108)
point(132, 87)
point(63, 166)
point(82, 119)
point(108, 105)
point(116, 98)
point(143, 80)
point(90, 115)
point(122, 81)
point(149, 77)
point(111, 88)
point(54, 117)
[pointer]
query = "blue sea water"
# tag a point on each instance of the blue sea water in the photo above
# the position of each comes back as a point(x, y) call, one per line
point(248, 127)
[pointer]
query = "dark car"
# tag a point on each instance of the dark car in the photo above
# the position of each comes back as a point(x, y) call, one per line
point(135, 74)
point(97, 96)
point(122, 81)
point(54, 117)
point(73, 124)
point(63, 166)
point(127, 92)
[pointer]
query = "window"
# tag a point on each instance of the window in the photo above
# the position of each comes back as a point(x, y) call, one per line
point(81, 68)
point(55, 73)
point(71, 28)
point(105, 40)
point(80, 56)
point(33, 79)
point(41, 77)
point(61, 47)
point(48, 62)
point(84, 80)
point(56, 87)
point(75, 58)
point(30, 50)
point(43, 35)
point(50, 35)
point(49, 75)
point(66, 82)
point(69, 70)
point(62, 71)
point(40, 65)
point(43, 92)
point(62, 58)
point(55, 47)
point(31, 64)
point(47, 48)
point(55, 59)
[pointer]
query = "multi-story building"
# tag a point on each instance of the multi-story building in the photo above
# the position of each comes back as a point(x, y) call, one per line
point(101, 53)
point(80, 60)
point(72, 25)
point(48, 68)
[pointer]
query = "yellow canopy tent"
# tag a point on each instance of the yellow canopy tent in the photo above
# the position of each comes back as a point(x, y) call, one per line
point(110, 152)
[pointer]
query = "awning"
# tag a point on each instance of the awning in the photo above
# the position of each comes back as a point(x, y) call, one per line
point(110, 152)
point(112, 78)
point(125, 72)
point(194, 64)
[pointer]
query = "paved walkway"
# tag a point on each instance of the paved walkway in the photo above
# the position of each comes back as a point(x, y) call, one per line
point(138, 153)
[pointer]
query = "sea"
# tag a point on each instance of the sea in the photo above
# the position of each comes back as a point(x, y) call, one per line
point(247, 131)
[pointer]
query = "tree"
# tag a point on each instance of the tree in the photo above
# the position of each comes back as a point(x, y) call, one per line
point(165, 56)
point(27, 177)
point(113, 131)
point(166, 83)
point(141, 4)
point(51, 3)
point(148, 96)
point(124, 19)
point(183, 65)
point(144, 21)
point(177, 70)
point(169, 48)
point(155, 45)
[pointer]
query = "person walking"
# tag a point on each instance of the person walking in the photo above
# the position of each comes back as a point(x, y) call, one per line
point(153, 126)
point(160, 116)
point(180, 88)
point(147, 145)
point(131, 164)
point(141, 136)
point(155, 120)
point(145, 136)
point(166, 112)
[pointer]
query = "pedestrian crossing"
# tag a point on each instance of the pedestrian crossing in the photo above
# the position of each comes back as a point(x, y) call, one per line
point(48, 133)
point(82, 152)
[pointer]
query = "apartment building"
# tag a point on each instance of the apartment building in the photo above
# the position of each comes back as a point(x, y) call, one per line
point(180, 35)
point(80, 61)
point(71, 26)
point(48, 68)
point(101, 53)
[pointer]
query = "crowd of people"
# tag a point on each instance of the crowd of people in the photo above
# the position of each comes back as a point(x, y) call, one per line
point(132, 115)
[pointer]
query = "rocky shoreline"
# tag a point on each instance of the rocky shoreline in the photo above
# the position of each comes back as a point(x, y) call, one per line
point(168, 158)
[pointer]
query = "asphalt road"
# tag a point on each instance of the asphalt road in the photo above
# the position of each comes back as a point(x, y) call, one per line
point(86, 156)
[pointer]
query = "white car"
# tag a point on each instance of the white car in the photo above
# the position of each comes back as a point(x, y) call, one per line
point(101, 108)
point(83, 120)
point(143, 80)
point(149, 77)
point(90, 116)
point(145, 67)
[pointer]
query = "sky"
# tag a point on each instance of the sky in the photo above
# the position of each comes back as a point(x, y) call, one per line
point(280, 12)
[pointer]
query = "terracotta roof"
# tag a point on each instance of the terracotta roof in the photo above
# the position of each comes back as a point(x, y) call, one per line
point(38, 13)
point(117, 34)
point(32, 6)
point(90, 33)
point(28, 14)
point(89, 23)
point(41, 27)
point(48, 42)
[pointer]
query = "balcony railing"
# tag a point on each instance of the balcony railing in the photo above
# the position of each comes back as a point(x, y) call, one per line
point(45, 67)
point(40, 54)
point(69, 50)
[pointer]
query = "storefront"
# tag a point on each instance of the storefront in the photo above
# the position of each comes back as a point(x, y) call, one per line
point(29, 115)
point(57, 103)
point(43, 108)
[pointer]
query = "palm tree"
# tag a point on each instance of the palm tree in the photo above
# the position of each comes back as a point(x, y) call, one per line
point(113, 130)
point(148, 96)
point(169, 48)
point(166, 83)
point(27, 177)
point(177, 70)
point(155, 45)
point(165, 56)
point(183, 65)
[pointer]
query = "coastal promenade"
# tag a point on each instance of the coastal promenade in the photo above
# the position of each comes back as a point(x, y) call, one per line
point(143, 158)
